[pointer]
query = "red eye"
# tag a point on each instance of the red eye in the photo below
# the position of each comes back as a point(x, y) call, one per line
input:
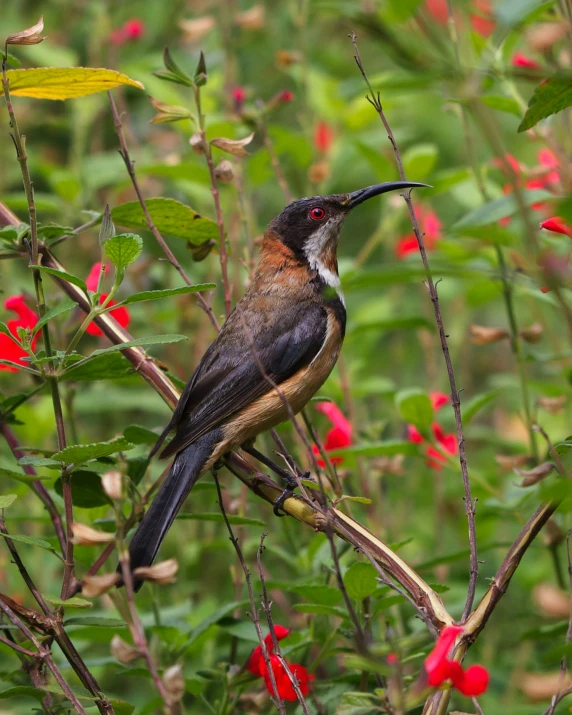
point(317, 213)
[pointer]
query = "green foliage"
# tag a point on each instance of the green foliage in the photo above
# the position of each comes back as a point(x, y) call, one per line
point(551, 96)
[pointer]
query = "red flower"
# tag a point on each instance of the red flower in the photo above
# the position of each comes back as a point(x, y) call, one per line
point(557, 225)
point(323, 137)
point(256, 664)
point(470, 682)
point(238, 95)
point(132, 29)
point(26, 319)
point(121, 314)
point(286, 96)
point(430, 226)
point(438, 10)
point(448, 442)
point(339, 436)
point(521, 60)
point(283, 683)
point(483, 23)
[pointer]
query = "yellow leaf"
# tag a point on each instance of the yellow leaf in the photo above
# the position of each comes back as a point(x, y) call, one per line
point(65, 82)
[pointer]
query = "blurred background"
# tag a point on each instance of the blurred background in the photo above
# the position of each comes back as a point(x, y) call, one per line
point(454, 83)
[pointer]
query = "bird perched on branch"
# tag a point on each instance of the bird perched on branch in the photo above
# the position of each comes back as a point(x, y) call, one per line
point(286, 333)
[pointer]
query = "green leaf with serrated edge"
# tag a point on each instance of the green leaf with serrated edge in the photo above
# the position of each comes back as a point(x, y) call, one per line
point(7, 499)
point(32, 541)
point(158, 294)
point(169, 216)
point(23, 691)
point(388, 448)
point(20, 476)
point(358, 500)
point(152, 340)
point(493, 211)
point(51, 231)
point(94, 621)
point(551, 96)
point(62, 275)
point(320, 609)
point(105, 367)
point(214, 516)
point(14, 233)
point(74, 602)
point(360, 580)
point(415, 408)
point(140, 435)
point(84, 452)
point(87, 490)
point(63, 307)
point(123, 249)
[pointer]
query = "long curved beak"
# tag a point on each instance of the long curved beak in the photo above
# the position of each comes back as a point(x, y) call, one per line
point(361, 195)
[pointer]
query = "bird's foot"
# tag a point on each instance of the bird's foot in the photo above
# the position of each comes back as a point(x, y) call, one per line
point(291, 484)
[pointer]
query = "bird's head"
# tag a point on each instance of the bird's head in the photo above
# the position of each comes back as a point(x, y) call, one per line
point(310, 227)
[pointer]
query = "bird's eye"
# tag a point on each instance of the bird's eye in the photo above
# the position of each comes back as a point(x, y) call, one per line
point(317, 213)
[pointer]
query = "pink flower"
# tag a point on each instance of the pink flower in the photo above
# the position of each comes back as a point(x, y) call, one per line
point(521, 60)
point(323, 137)
point(238, 95)
point(470, 682)
point(26, 318)
point(131, 30)
point(339, 436)
point(447, 442)
point(121, 314)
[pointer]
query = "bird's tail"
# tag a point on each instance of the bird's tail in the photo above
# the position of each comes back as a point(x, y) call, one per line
point(185, 470)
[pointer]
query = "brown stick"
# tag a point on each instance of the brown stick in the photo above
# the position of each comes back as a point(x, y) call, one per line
point(469, 504)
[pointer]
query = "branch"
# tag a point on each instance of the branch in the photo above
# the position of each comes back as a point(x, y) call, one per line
point(469, 504)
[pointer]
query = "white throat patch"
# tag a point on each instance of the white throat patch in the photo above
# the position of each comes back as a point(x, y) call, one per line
point(315, 247)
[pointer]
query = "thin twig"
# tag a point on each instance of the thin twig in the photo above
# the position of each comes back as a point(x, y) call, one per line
point(254, 610)
point(374, 100)
point(130, 166)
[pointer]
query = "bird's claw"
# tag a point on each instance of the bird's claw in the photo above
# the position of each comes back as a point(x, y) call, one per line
point(279, 503)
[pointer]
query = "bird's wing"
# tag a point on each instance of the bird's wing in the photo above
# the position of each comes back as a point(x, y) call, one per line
point(228, 379)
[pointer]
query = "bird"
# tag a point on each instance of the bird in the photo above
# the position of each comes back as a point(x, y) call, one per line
point(280, 343)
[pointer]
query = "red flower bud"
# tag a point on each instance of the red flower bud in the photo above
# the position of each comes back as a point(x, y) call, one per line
point(557, 225)
point(521, 60)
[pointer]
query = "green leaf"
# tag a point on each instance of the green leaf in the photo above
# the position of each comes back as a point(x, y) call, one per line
point(32, 541)
point(476, 403)
point(419, 160)
point(157, 294)
point(323, 595)
point(360, 580)
point(51, 231)
point(173, 73)
point(152, 340)
point(357, 704)
point(74, 602)
point(100, 621)
point(20, 476)
point(320, 609)
point(358, 500)
point(23, 691)
point(389, 448)
point(503, 104)
point(551, 96)
point(415, 408)
point(14, 233)
point(169, 216)
point(65, 82)
point(215, 617)
point(215, 516)
point(105, 367)
point(39, 462)
point(492, 211)
point(84, 452)
point(6, 500)
point(405, 323)
point(140, 435)
point(64, 307)
point(62, 275)
point(124, 249)
point(87, 490)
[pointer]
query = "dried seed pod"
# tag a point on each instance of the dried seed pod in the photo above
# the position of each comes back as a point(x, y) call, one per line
point(551, 600)
point(224, 172)
point(319, 172)
point(543, 35)
point(196, 143)
point(533, 476)
point(92, 586)
point(198, 28)
point(122, 651)
point(30, 36)
point(233, 146)
point(483, 335)
point(251, 19)
point(532, 334)
point(163, 572)
point(84, 535)
point(112, 483)
point(174, 683)
point(555, 405)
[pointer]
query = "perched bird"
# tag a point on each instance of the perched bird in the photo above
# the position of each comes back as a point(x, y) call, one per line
point(287, 330)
